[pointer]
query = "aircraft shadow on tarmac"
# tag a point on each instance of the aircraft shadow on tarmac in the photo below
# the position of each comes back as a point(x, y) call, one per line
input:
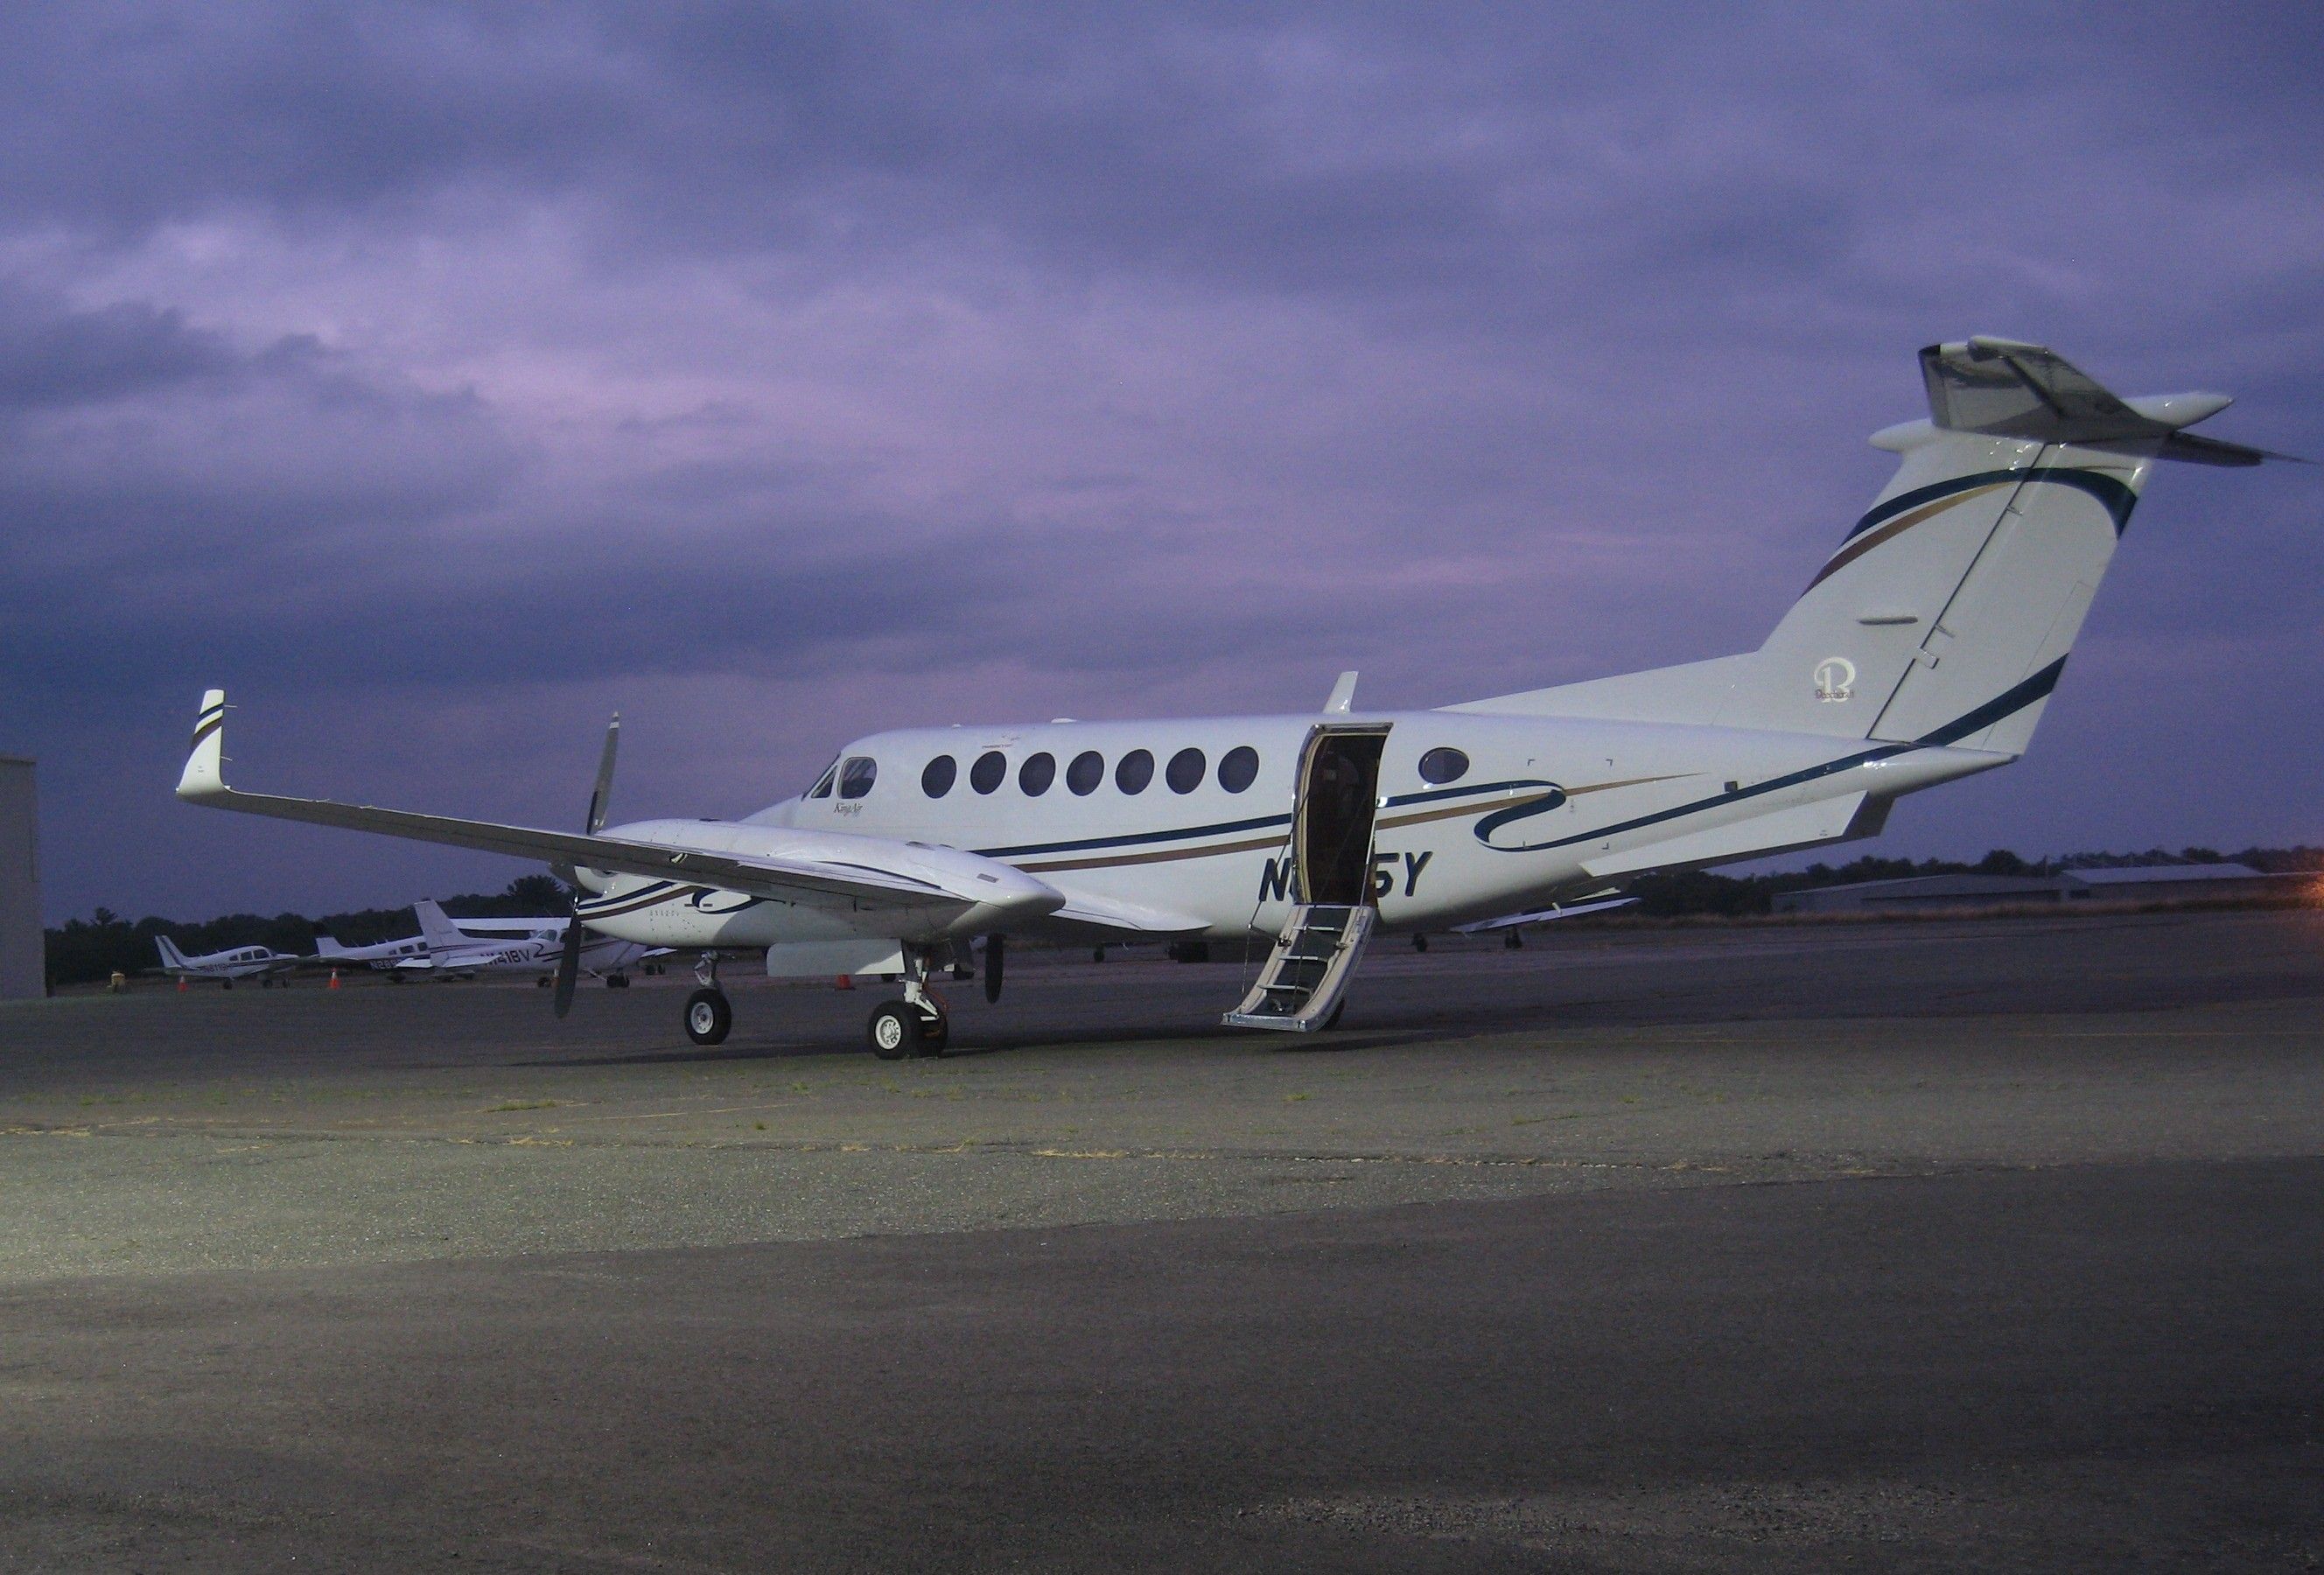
point(967, 1049)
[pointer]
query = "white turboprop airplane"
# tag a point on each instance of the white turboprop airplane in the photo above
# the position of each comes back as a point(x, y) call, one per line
point(260, 963)
point(1922, 650)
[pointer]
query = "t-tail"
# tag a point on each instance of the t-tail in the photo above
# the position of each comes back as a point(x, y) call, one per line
point(1946, 615)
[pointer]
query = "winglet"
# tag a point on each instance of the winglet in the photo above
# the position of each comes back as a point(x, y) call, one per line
point(1343, 695)
point(203, 778)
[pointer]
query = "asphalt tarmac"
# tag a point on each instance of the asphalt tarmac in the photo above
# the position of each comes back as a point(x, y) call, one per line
point(1975, 1245)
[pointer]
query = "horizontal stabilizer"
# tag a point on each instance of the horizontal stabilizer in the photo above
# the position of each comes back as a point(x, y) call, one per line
point(2003, 388)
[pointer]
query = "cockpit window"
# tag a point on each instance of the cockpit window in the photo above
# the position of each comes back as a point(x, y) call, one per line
point(821, 788)
point(856, 775)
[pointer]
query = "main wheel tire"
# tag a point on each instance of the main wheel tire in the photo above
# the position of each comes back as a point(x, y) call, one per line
point(617, 981)
point(1419, 942)
point(708, 1017)
point(936, 1033)
point(894, 1031)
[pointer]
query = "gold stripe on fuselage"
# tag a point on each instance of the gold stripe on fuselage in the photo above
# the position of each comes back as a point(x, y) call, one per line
point(1386, 822)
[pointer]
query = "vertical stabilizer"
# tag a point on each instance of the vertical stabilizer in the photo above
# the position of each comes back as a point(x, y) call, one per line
point(438, 929)
point(1947, 611)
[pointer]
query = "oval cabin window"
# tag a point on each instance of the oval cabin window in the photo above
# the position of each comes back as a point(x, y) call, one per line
point(1442, 765)
point(1085, 773)
point(1186, 768)
point(937, 778)
point(1238, 768)
point(1135, 771)
point(986, 774)
point(1037, 773)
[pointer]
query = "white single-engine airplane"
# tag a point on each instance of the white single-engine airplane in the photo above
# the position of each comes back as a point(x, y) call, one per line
point(464, 948)
point(381, 954)
point(1922, 650)
point(260, 963)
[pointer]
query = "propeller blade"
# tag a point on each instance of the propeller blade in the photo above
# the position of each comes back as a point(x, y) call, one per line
point(577, 934)
point(568, 965)
point(605, 791)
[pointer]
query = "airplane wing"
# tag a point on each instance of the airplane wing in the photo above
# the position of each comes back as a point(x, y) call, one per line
point(809, 882)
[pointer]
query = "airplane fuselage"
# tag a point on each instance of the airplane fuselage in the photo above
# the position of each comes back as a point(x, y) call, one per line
point(1510, 811)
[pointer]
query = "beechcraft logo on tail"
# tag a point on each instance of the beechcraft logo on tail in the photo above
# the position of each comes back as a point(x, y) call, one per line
point(1835, 678)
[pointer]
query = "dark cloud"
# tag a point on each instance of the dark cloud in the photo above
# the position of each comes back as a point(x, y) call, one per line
point(439, 372)
point(51, 355)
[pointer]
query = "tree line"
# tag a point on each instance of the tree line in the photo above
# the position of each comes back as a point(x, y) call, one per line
point(1700, 892)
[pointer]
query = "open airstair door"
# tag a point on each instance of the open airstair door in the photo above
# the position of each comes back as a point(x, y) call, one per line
point(1307, 976)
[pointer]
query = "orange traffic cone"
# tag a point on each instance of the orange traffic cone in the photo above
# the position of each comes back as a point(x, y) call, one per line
point(846, 982)
point(335, 981)
point(182, 982)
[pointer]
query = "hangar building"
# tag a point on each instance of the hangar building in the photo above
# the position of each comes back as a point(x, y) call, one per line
point(2138, 883)
point(23, 950)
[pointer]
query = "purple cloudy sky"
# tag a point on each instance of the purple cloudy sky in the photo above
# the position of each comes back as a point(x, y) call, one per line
point(441, 377)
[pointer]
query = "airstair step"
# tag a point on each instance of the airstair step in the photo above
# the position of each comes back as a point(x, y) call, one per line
point(1307, 974)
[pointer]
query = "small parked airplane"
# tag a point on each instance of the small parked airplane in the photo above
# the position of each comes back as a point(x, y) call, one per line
point(601, 955)
point(1924, 650)
point(260, 963)
point(383, 954)
point(464, 948)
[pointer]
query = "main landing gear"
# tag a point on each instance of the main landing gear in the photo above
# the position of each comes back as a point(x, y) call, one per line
point(709, 1018)
point(914, 1026)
